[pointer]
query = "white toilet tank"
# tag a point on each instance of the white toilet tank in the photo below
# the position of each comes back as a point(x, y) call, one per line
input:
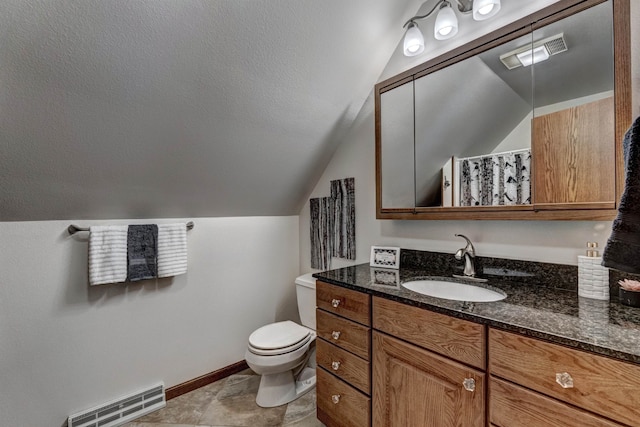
point(306, 292)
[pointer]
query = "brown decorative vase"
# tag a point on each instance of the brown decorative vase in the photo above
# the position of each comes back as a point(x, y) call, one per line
point(629, 298)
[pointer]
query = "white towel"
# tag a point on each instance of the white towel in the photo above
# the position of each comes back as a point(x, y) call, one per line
point(172, 249)
point(107, 254)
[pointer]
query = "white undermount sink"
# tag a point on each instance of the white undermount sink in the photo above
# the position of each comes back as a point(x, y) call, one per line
point(454, 291)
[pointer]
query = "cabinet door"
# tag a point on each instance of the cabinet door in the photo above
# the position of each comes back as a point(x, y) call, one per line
point(573, 164)
point(573, 130)
point(394, 153)
point(414, 387)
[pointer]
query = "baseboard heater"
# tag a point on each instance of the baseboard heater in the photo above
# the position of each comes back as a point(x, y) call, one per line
point(121, 410)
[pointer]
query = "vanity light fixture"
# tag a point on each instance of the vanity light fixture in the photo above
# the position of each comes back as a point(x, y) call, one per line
point(446, 25)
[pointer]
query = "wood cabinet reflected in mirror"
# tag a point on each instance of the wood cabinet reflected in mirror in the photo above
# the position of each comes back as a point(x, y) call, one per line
point(475, 134)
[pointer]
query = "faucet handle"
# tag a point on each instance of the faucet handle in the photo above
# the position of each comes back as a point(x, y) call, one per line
point(468, 249)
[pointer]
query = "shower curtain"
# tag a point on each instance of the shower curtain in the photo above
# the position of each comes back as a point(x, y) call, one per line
point(496, 179)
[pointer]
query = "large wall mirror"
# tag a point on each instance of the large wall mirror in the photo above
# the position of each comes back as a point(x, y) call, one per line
point(525, 123)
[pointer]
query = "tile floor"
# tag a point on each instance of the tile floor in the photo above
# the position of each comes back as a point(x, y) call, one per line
point(231, 402)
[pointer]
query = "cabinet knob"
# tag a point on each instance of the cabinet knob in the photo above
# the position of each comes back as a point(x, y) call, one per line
point(565, 380)
point(335, 365)
point(335, 398)
point(335, 335)
point(469, 384)
point(335, 303)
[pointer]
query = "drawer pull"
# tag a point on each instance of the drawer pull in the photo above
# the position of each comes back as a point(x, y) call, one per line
point(335, 365)
point(335, 335)
point(565, 380)
point(335, 303)
point(335, 398)
point(469, 384)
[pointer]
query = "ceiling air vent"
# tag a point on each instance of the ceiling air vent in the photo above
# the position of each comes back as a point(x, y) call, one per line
point(539, 51)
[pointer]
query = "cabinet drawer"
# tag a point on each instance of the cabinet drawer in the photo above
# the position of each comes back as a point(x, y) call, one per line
point(339, 404)
point(345, 365)
point(344, 302)
point(344, 333)
point(513, 406)
point(455, 338)
point(605, 386)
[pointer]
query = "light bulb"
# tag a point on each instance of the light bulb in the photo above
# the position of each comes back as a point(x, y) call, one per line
point(413, 41)
point(446, 25)
point(485, 9)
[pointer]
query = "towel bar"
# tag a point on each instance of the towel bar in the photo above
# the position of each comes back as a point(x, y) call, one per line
point(73, 229)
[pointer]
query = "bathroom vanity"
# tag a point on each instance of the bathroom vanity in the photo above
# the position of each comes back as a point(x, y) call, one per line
point(388, 356)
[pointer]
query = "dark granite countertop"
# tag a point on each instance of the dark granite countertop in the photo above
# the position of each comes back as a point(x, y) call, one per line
point(536, 305)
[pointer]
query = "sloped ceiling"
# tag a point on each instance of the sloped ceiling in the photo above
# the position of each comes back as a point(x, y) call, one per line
point(180, 108)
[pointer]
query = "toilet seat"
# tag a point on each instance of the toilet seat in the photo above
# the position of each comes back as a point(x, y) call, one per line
point(279, 335)
point(278, 351)
point(291, 358)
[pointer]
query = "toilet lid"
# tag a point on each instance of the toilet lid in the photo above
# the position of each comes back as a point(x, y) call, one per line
point(279, 351)
point(278, 335)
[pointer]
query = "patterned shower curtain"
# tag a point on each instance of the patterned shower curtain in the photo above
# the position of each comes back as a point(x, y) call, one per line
point(496, 179)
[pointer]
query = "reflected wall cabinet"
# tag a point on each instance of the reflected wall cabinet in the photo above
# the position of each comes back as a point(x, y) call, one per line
point(482, 133)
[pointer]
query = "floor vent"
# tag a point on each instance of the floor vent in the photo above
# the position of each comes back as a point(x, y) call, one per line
point(122, 410)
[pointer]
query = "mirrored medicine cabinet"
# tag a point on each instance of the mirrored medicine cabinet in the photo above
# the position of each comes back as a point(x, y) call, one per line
point(525, 123)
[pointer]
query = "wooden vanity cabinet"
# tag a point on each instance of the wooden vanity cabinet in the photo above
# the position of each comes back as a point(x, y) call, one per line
point(590, 390)
point(343, 350)
point(422, 368)
point(418, 377)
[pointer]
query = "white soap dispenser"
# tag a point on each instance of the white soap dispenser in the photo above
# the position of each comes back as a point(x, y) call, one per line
point(593, 278)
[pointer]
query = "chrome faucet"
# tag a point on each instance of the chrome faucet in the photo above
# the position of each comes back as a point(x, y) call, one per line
point(468, 253)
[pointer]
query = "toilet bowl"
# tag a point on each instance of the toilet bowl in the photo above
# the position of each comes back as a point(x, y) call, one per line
point(283, 353)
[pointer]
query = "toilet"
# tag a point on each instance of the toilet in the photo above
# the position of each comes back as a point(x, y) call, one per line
point(284, 352)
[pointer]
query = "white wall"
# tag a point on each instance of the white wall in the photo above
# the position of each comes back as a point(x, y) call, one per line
point(543, 241)
point(65, 346)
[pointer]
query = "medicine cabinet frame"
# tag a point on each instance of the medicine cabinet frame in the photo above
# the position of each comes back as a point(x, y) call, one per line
point(519, 28)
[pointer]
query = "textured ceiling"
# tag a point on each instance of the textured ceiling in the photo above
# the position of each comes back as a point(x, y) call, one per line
point(180, 108)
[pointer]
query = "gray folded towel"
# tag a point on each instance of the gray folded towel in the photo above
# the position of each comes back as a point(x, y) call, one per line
point(142, 252)
point(622, 251)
